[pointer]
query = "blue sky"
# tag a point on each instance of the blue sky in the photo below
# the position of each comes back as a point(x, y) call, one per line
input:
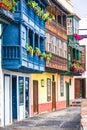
point(80, 7)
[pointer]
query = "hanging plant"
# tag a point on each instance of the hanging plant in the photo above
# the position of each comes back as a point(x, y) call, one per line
point(76, 66)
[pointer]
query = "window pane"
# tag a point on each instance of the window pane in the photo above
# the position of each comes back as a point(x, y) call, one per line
point(21, 90)
point(48, 89)
point(61, 85)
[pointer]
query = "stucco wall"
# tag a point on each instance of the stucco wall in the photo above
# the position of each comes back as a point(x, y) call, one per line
point(67, 5)
point(1, 88)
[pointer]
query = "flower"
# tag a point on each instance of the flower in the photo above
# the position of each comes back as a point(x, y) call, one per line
point(77, 66)
point(78, 37)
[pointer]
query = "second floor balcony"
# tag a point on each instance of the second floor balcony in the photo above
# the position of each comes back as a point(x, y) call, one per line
point(16, 58)
point(57, 64)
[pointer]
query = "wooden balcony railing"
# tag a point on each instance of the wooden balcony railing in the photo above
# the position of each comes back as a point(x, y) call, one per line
point(58, 63)
point(57, 29)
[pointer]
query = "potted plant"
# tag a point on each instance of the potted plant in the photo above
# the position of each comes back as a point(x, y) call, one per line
point(37, 51)
point(3, 5)
point(42, 55)
point(29, 49)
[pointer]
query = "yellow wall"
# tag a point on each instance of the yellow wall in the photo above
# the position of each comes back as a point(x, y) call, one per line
point(42, 91)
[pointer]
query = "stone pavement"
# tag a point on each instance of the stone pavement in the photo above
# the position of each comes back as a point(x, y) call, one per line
point(84, 115)
point(67, 119)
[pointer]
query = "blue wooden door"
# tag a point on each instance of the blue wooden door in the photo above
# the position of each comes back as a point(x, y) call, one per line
point(14, 97)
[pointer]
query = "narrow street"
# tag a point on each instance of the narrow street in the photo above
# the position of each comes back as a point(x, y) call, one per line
point(67, 119)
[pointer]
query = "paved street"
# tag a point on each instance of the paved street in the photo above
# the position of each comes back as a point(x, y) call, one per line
point(68, 119)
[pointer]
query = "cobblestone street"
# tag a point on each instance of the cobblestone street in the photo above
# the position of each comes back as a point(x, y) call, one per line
point(67, 119)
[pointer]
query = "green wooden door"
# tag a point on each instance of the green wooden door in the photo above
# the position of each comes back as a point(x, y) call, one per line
point(67, 94)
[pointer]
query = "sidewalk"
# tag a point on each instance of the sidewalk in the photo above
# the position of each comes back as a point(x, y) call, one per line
point(67, 119)
point(84, 114)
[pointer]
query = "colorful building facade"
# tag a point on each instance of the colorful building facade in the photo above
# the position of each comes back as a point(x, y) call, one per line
point(75, 55)
point(54, 87)
point(25, 33)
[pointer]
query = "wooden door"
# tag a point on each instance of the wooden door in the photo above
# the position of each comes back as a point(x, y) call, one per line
point(83, 88)
point(35, 96)
point(77, 88)
point(53, 96)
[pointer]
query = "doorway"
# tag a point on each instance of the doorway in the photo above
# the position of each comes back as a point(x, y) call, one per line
point(67, 94)
point(14, 98)
point(53, 96)
point(35, 96)
point(26, 97)
point(7, 99)
point(80, 88)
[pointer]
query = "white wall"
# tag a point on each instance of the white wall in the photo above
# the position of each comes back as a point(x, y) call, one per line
point(1, 89)
point(67, 5)
point(83, 31)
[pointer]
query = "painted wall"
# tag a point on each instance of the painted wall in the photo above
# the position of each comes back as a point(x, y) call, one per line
point(66, 4)
point(61, 100)
point(45, 105)
point(1, 88)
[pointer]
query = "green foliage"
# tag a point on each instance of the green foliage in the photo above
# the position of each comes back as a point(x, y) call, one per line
point(29, 49)
point(38, 10)
point(48, 57)
point(37, 50)
point(11, 4)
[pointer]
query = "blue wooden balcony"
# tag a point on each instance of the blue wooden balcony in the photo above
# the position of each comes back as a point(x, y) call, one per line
point(16, 58)
point(28, 15)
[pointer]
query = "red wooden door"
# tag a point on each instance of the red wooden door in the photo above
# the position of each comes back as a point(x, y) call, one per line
point(77, 88)
point(35, 96)
point(53, 96)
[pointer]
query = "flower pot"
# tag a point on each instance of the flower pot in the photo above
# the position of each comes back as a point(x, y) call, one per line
point(35, 54)
point(3, 6)
point(30, 51)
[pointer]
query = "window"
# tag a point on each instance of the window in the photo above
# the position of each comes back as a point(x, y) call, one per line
point(30, 38)
point(59, 18)
point(64, 20)
point(48, 89)
point(21, 90)
point(65, 50)
point(60, 48)
point(69, 26)
point(36, 40)
point(54, 45)
point(61, 85)
point(76, 26)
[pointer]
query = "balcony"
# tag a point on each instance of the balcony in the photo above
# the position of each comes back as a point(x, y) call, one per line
point(28, 16)
point(16, 58)
point(57, 29)
point(57, 63)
